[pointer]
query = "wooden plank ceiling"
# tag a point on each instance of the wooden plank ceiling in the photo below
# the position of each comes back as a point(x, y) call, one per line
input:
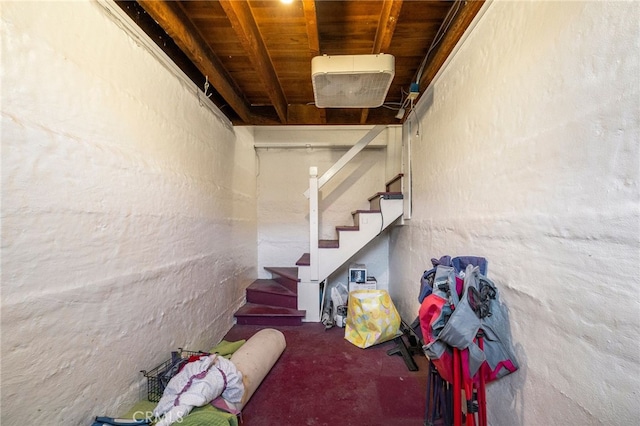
point(254, 57)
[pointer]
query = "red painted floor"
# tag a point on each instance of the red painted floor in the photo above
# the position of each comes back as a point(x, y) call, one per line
point(323, 380)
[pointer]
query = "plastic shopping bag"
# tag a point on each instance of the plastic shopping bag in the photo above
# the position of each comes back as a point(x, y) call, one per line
point(371, 318)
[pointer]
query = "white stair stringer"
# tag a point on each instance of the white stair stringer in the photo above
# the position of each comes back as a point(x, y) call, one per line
point(330, 259)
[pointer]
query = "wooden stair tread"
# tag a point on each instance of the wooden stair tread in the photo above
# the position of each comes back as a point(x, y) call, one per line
point(390, 195)
point(305, 260)
point(355, 212)
point(394, 179)
point(267, 285)
point(347, 228)
point(290, 273)
point(254, 309)
point(328, 243)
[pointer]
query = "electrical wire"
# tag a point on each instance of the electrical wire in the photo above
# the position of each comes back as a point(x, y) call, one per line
point(390, 105)
point(407, 103)
point(444, 27)
point(381, 216)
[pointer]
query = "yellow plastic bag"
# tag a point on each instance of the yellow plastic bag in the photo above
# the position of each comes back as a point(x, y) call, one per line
point(371, 318)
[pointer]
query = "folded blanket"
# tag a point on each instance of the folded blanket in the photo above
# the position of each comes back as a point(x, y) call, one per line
point(226, 349)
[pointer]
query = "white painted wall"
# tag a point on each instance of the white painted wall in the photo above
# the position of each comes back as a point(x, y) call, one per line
point(283, 177)
point(128, 215)
point(529, 156)
point(127, 230)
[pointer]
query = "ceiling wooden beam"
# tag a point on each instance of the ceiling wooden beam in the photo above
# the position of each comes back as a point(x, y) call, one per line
point(309, 7)
point(177, 25)
point(384, 33)
point(468, 10)
point(306, 114)
point(386, 25)
point(244, 24)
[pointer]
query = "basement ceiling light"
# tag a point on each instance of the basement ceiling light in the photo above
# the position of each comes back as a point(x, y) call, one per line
point(351, 81)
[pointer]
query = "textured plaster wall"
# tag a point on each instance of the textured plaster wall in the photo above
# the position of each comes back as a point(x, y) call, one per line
point(128, 215)
point(283, 210)
point(528, 154)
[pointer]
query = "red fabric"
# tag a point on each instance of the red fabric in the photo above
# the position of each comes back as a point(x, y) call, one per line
point(192, 358)
point(430, 312)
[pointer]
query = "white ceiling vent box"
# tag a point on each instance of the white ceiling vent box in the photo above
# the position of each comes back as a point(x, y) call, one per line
point(351, 81)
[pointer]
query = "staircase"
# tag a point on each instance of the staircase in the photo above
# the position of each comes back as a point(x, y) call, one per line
point(272, 301)
point(292, 295)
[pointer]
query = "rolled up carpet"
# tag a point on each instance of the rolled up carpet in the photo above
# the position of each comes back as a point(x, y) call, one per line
point(256, 358)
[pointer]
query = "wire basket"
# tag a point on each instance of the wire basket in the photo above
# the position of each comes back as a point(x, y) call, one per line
point(158, 377)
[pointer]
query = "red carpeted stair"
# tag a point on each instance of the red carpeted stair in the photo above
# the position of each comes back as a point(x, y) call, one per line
point(272, 301)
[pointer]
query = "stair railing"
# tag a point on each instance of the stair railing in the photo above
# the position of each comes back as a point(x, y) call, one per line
point(315, 184)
